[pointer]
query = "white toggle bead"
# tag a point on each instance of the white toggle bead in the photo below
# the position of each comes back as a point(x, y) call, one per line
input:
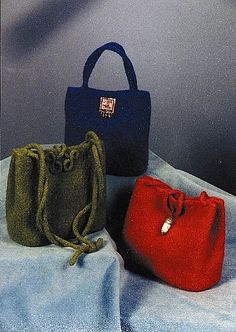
point(167, 225)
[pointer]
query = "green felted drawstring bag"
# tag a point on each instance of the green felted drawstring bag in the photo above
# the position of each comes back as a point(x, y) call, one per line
point(57, 195)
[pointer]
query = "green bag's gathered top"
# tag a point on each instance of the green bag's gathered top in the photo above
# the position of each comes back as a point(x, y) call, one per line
point(59, 159)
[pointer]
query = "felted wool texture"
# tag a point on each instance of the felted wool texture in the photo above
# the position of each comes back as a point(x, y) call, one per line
point(68, 193)
point(190, 255)
point(126, 133)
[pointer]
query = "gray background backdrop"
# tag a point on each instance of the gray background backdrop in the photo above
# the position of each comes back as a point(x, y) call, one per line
point(183, 53)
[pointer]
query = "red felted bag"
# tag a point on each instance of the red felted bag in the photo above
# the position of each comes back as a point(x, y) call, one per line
point(179, 238)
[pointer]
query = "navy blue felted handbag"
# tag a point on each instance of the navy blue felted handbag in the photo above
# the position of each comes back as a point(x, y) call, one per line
point(120, 118)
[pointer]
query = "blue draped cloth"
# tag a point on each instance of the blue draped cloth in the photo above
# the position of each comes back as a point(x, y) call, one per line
point(39, 291)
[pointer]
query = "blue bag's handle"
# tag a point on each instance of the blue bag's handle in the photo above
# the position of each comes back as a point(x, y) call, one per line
point(117, 48)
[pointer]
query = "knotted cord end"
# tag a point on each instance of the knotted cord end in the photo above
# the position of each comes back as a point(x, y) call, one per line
point(86, 249)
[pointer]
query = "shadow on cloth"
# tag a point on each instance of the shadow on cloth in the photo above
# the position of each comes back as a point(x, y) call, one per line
point(116, 212)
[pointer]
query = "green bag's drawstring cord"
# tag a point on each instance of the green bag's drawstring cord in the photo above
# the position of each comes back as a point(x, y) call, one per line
point(87, 246)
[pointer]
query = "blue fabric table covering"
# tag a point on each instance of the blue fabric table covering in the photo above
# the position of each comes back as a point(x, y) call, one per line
point(39, 291)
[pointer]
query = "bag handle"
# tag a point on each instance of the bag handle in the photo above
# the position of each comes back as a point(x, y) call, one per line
point(42, 223)
point(117, 48)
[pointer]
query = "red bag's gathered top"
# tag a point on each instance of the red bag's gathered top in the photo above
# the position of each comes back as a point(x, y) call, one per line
point(181, 239)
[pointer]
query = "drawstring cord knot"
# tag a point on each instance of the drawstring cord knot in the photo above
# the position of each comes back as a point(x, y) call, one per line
point(61, 158)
